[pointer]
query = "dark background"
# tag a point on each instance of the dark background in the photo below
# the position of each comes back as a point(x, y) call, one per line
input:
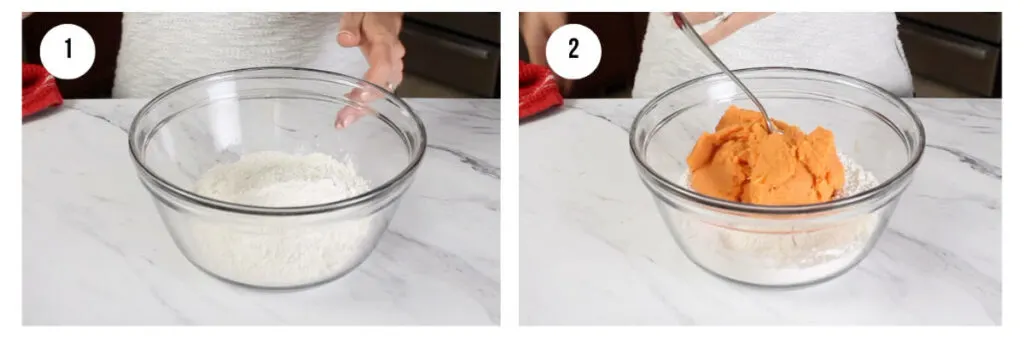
point(950, 54)
point(453, 55)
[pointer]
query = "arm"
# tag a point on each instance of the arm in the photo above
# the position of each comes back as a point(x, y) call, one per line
point(536, 28)
point(729, 25)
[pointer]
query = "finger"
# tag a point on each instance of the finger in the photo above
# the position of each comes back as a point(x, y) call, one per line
point(697, 18)
point(397, 69)
point(398, 50)
point(381, 58)
point(349, 31)
point(736, 21)
point(536, 47)
point(554, 20)
point(359, 108)
point(398, 53)
point(359, 99)
point(397, 75)
point(382, 26)
point(380, 72)
point(731, 24)
point(532, 31)
point(551, 21)
point(742, 19)
point(564, 86)
point(715, 34)
point(382, 47)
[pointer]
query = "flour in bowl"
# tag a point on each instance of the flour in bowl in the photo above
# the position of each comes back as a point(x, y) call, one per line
point(802, 254)
point(280, 251)
point(275, 179)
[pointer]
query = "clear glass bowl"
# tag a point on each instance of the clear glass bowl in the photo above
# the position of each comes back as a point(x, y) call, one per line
point(217, 118)
point(778, 246)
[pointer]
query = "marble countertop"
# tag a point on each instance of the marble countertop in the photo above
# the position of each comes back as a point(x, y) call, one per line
point(595, 251)
point(96, 252)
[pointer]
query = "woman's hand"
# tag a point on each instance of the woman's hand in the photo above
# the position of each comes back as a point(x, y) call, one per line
point(732, 23)
point(536, 28)
point(376, 35)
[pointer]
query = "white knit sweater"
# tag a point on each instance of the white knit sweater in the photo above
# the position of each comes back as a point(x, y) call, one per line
point(862, 45)
point(161, 50)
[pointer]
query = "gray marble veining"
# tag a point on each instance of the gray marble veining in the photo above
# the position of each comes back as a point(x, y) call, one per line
point(96, 252)
point(593, 249)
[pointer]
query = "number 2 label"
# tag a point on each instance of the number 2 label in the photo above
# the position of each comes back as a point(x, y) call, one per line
point(575, 60)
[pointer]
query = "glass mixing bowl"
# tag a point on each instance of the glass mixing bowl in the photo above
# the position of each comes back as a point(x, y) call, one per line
point(778, 246)
point(216, 119)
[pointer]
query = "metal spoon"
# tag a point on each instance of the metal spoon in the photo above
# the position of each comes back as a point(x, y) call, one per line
point(684, 25)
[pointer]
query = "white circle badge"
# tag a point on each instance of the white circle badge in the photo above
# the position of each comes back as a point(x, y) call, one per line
point(573, 51)
point(67, 51)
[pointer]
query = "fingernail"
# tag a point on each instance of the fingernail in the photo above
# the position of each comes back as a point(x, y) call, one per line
point(348, 36)
point(337, 125)
point(348, 121)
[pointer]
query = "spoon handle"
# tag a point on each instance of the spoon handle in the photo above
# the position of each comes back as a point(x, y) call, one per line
point(690, 32)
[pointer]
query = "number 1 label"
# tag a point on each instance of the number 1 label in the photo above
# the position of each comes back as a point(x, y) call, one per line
point(63, 59)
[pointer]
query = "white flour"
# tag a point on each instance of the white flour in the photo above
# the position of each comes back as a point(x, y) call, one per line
point(281, 251)
point(806, 254)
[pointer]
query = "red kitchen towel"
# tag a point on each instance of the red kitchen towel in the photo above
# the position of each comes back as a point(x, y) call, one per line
point(537, 90)
point(38, 90)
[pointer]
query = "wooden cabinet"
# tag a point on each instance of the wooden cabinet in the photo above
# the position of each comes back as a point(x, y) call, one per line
point(459, 50)
point(959, 50)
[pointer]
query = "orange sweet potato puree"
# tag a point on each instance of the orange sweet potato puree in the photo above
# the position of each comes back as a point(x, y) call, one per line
point(742, 162)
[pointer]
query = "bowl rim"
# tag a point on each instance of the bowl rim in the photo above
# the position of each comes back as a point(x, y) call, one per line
point(901, 175)
point(401, 177)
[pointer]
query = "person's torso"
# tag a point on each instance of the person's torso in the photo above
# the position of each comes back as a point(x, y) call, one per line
point(161, 50)
point(862, 45)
